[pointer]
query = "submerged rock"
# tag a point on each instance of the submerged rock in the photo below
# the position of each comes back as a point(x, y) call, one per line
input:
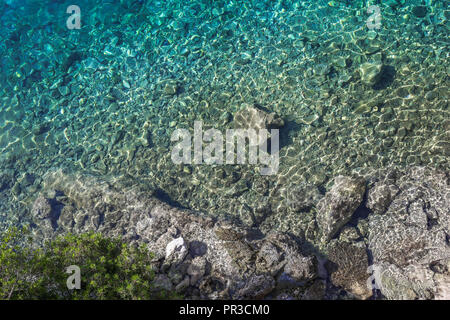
point(255, 118)
point(171, 88)
point(6, 179)
point(335, 209)
point(380, 197)
point(303, 196)
point(371, 72)
point(420, 11)
point(42, 208)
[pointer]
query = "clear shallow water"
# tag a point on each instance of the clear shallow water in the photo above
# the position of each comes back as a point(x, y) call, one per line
point(106, 98)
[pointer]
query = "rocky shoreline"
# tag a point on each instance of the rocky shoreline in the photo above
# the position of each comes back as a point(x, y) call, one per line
point(398, 249)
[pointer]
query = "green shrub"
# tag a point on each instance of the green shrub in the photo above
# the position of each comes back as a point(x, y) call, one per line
point(110, 268)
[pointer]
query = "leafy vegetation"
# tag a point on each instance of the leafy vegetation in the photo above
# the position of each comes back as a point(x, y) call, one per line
point(110, 268)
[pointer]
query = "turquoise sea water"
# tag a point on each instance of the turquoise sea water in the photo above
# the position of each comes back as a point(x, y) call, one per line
point(356, 93)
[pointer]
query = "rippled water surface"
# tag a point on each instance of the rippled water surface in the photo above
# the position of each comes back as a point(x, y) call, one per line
point(356, 93)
